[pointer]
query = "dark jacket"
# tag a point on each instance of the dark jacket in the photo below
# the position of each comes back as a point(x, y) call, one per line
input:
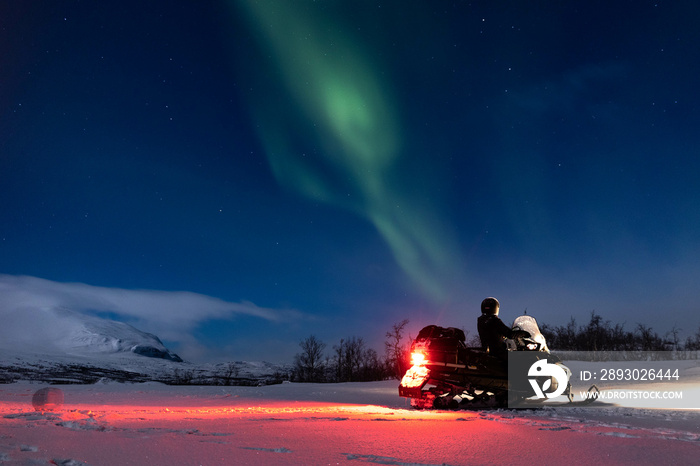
point(493, 332)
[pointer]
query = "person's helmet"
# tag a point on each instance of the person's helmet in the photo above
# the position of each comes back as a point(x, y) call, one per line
point(490, 306)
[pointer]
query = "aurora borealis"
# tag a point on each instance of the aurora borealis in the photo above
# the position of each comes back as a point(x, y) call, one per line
point(348, 158)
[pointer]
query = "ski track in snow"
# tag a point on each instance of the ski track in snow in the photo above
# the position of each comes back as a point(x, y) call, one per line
point(280, 425)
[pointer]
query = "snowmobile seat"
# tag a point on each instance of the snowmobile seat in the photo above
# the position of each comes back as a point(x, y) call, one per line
point(444, 345)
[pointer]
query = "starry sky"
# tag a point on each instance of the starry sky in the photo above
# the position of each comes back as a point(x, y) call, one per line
point(331, 167)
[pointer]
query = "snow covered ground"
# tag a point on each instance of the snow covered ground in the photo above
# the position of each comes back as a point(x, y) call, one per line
point(318, 424)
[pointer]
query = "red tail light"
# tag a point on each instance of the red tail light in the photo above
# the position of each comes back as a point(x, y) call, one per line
point(417, 358)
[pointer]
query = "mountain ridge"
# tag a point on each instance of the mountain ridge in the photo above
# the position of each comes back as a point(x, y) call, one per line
point(59, 345)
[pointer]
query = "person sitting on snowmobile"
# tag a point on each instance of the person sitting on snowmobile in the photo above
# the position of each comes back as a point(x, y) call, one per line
point(492, 331)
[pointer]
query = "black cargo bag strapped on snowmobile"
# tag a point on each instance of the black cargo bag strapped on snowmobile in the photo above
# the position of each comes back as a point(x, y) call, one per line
point(442, 344)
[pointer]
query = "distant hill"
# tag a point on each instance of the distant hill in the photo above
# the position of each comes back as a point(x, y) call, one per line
point(58, 345)
point(61, 331)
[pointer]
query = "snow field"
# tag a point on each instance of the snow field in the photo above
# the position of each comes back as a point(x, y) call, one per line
point(354, 423)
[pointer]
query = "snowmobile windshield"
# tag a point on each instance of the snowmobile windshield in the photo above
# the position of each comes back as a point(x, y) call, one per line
point(529, 324)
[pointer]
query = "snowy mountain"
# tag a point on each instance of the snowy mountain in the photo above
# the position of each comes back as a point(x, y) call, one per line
point(62, 331)
point(63, 346)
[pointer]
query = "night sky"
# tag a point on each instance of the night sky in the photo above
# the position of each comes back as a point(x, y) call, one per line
point(333, 167)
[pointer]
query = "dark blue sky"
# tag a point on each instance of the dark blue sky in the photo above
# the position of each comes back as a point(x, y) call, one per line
point(346, 165)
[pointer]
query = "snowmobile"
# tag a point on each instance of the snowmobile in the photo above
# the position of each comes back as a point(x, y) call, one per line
point(446, 374)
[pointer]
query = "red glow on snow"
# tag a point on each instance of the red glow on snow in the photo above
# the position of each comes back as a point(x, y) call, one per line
point(281, 425)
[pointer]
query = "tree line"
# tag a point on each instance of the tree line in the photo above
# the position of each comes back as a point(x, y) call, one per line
point(602, 335)
point(352, 361)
